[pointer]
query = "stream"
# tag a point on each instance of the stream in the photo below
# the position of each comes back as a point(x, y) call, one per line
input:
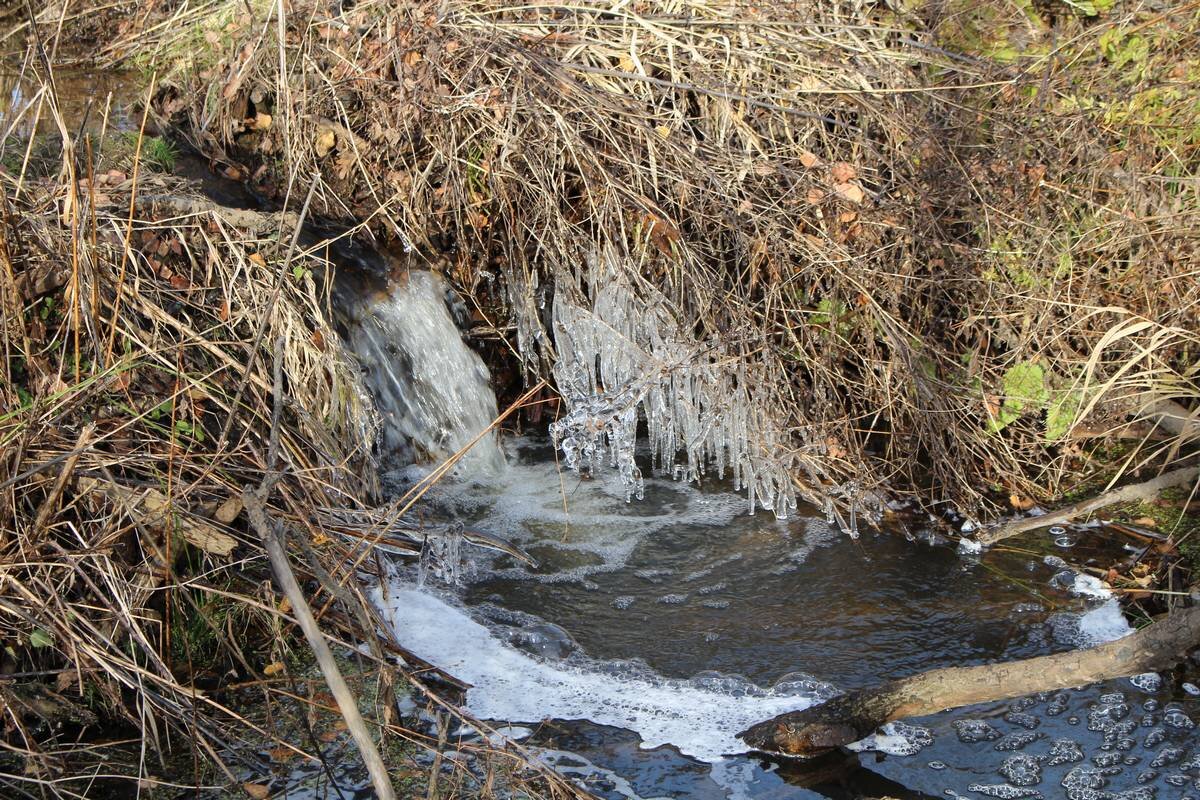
point(651, 631)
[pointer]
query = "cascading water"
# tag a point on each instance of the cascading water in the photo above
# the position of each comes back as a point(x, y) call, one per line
point(432, 391)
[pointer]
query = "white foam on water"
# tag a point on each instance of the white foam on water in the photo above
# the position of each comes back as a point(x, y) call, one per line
point(1106, 623)
point(539, 504)
point(700, 720)
point(1090, 586)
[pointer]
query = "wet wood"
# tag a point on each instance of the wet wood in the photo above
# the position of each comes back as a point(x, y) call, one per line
point(1125, 494)
point(851, 717)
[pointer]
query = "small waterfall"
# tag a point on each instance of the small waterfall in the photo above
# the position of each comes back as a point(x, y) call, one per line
point(432, 391)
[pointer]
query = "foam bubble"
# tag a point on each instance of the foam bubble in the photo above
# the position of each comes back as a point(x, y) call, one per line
point(700, 720)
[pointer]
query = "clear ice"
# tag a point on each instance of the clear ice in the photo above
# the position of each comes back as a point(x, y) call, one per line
point(622, 355)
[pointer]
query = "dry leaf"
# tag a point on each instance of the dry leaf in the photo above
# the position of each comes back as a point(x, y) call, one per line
point(260, 122)
point(842, 172)
point(320, 539)
point(809, 160)
point(274, 668)
point(285, 606)
point(150, 506)
point(1146, 522)
point(280, 754)
point(815, 195)
point(228, 511)
point(850, 192)
point(325, 142)
point(257, 790)
point(1019, 502)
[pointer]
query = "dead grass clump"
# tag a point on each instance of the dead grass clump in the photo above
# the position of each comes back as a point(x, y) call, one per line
point(141, 642)
point(935, 251)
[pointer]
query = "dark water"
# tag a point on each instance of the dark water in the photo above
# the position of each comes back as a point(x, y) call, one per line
point(687, 582)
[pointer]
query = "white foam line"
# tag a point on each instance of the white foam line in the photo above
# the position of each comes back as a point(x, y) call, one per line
point(510, 685)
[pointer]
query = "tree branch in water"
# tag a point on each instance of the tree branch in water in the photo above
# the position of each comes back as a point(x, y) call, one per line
point(851, 717)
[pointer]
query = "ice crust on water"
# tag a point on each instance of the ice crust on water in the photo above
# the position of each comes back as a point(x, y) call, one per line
point(699, 717)
point(621, 354)
point(433, 393)
point(525, 504)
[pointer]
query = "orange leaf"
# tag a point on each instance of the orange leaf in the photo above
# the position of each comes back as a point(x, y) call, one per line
point(841, 172)
point(850, 192)
point(809, 160)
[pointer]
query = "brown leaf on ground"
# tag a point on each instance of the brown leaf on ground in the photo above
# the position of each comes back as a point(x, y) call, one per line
point(324, 142)
point(809, 160)
point(850, 192)
point(257, 790)
point(841, 172)
point(228, 511)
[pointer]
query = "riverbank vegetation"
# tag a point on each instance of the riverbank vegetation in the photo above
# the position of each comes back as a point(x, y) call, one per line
point(938, 252)
point(941, 254)
point(161, 356)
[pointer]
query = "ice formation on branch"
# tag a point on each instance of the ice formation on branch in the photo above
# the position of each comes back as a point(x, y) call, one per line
point(619, 350)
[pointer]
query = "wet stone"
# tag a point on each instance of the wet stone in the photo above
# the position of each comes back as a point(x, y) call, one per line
point(1022, 770)
point(1177, 780)
point(1103, 760)
point(1147, 776)
point(971, 731)
point(937, 765)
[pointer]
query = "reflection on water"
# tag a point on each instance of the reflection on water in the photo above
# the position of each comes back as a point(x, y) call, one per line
point(82, 97)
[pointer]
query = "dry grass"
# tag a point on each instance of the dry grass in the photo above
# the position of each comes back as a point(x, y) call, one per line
point(940, 249)
point(137, 618)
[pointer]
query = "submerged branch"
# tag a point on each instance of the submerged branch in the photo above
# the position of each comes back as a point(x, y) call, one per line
point(851, 717)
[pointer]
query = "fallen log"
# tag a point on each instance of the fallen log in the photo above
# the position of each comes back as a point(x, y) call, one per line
point(1123, 494)
point(852, 716)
